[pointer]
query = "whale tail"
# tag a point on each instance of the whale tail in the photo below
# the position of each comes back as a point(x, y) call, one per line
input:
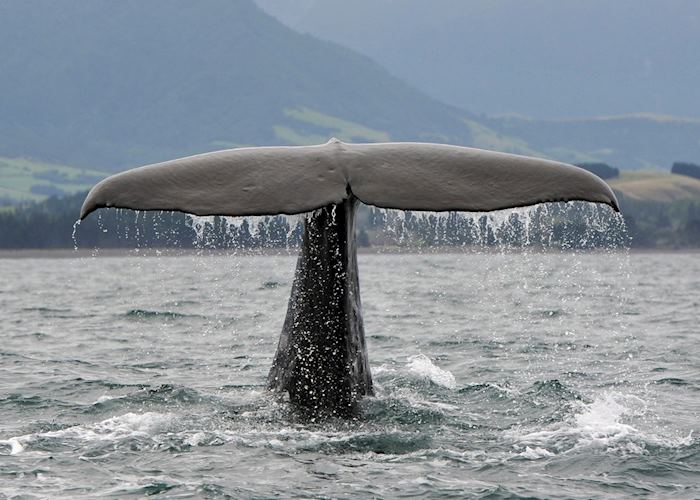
point(321, 358)
point(297, 179)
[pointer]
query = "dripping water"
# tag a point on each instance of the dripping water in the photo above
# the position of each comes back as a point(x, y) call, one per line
point(563, 226)
point(73, 236)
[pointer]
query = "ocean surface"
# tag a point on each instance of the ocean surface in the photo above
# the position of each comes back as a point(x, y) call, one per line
point(498, 374)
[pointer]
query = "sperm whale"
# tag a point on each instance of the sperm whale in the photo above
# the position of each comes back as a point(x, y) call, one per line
point(321, 359)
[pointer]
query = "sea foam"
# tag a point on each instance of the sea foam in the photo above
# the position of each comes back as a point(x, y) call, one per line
point(421, 365)
point(111, 429)
point(598, 424)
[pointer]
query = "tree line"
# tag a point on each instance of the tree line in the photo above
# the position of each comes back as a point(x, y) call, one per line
point(50, 224)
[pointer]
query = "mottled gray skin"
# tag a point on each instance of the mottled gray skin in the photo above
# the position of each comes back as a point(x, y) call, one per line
point(321, 359)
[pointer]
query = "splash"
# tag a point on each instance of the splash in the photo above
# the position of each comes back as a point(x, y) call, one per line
point(421, 365)
point(598, 424)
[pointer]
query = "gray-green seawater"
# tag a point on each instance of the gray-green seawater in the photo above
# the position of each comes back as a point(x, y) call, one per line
point(501, 375)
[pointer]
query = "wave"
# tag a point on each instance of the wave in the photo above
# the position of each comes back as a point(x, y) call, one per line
point(129, 425)
point(553, 389)
point(172, 432)
point(598, 424)
point(390, 442)
point(56, 312)
point(148, 314)
point(271, 285)
point(672, 381)
point(423, 367)
point(46, 309)
point(164, 395)
point(420, 368)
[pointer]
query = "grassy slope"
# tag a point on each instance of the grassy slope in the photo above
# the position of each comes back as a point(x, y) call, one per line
point(325, 126)
point(28, 180)
point(657, 186)
point(487, 138)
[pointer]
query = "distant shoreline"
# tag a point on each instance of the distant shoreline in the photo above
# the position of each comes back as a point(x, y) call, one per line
point(82, 253)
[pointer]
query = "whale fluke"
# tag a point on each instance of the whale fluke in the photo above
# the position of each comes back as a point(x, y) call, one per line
point(321, 359)
point(297, 179)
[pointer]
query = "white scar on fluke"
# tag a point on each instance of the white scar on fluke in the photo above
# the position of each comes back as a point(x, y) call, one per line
point(321, 359)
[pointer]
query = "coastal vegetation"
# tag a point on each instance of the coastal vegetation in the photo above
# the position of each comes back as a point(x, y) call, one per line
point(688, 169)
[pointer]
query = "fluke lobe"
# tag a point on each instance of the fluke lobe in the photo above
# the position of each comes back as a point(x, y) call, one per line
point(321, 359)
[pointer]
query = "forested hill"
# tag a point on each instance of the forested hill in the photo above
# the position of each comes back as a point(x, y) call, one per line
point(110, 84)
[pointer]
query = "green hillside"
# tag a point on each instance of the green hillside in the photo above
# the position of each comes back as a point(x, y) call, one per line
point(656, 186)
point(336, 127)
point(24, 180)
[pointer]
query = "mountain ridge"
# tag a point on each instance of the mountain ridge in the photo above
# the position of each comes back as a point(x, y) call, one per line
point(105, 84)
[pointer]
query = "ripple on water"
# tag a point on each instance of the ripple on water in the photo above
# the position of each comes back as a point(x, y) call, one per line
point(271, 285)
point(161, 396)
point(672, 381)
point(148, 314)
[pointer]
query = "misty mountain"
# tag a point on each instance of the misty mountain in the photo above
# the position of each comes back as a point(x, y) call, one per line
point(100, 83)
point(540, 58)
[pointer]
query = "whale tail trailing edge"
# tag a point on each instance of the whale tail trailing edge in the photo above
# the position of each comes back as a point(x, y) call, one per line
point(297, 179)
